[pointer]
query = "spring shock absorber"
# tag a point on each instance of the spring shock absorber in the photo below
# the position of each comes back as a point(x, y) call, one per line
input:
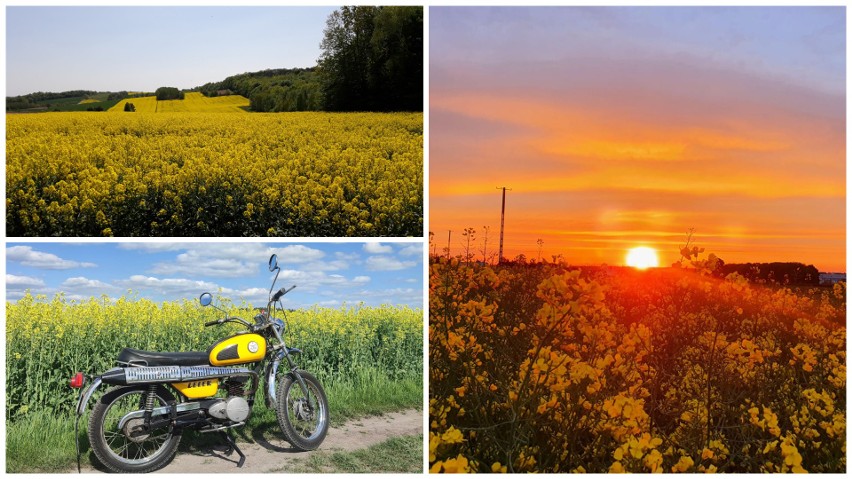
point(150, 397)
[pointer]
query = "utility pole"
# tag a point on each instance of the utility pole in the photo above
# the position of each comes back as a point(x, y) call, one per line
point(449, 235)
point(502, 223)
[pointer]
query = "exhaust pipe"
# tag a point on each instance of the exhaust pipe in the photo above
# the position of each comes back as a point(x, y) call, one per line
point(168, 374)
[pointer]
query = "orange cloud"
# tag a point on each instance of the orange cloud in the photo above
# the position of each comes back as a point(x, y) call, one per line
point(602, 164)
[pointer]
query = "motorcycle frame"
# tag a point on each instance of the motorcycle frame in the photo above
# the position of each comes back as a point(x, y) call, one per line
point(267, 369)
point(270, 363)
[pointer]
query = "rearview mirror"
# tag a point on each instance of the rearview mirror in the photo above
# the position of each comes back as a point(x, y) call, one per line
point(205, 299)
point(273, 262)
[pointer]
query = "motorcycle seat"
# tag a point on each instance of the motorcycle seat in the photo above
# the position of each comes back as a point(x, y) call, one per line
point(153, 358)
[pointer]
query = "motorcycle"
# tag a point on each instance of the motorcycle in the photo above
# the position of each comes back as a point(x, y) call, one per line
point(136, 425)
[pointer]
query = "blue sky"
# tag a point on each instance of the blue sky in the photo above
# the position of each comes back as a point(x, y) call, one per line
point(143, 48)
point(326, 274)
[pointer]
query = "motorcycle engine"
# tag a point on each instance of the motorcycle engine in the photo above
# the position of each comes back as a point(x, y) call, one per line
point(233, 408)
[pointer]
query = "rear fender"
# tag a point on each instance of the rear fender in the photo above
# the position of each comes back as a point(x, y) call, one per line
point(84, 398)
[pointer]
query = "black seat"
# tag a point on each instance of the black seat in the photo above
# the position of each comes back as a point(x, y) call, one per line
point(153, 358)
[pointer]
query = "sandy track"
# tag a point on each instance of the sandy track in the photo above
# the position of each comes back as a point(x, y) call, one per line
point(270, 453)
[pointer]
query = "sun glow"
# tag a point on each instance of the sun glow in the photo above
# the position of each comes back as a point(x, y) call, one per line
point(642, 257)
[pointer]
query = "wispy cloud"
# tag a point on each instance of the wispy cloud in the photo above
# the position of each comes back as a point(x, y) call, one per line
point(387, 263)
point(28, 256)
point(377, 248)
point(717, 126)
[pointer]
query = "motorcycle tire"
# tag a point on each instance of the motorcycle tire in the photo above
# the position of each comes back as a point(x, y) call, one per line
point(304, 427)
point(114, 448)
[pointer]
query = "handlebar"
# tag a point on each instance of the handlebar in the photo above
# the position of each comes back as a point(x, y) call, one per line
point(281, 292)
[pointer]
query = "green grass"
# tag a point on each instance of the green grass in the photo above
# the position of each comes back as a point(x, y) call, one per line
point(42, 442)
point(39, 441)
point(399, 454)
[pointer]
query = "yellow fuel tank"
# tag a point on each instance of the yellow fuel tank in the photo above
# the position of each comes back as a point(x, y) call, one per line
point(201, 388)
point(239, 349)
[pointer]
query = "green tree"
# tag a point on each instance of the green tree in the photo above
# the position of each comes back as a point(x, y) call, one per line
point(397, 50)
point(169, 93)
point(372, 59)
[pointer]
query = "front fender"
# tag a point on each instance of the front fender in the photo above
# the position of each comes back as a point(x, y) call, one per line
point(84, 398)
point(271, 378)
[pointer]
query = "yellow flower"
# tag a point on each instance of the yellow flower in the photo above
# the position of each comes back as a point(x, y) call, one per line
point(683, 464)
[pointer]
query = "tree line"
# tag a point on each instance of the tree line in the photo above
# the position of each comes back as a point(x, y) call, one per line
point(780, 273)
point(274, 90)
point(371, 60)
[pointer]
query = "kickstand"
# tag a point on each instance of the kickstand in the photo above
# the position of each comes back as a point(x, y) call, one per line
point(232, 446)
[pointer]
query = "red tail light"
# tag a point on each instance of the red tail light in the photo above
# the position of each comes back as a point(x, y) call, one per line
point(77, 381)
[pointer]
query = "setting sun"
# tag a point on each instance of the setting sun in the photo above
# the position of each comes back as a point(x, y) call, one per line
point(642, 257)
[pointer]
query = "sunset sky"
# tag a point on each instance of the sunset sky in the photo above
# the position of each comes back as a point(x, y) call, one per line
point(622, 127)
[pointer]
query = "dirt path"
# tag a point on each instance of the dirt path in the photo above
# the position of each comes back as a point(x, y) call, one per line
point(270, 453)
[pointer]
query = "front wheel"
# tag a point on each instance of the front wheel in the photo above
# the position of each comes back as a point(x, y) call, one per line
point(303, 418)
point(131, 448)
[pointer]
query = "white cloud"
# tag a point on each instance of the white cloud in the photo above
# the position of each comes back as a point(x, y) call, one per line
point(86, 286)
point(191, 264)
point(314, 281)
point(14, 281)
point(171, 287)
point(255, 296)
point(333, 265)
point(27, 256)
point(386, 263)
point(17, 286)
point(235, 260)
point(155, 247)
point(297, 253)
point(348, 257)
point(413, 249)
point(410, 296)
point(220, 260)
point(80, 288)
point(377, 248)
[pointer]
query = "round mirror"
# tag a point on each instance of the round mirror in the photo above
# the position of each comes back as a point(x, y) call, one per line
point(273, 262)
point(205, 299)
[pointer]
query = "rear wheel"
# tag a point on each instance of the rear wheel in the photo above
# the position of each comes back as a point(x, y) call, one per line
point(131, 448)
point(303, 419)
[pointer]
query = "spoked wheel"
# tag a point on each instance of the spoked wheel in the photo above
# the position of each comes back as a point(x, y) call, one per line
point(303, 419)
point(131, 447)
